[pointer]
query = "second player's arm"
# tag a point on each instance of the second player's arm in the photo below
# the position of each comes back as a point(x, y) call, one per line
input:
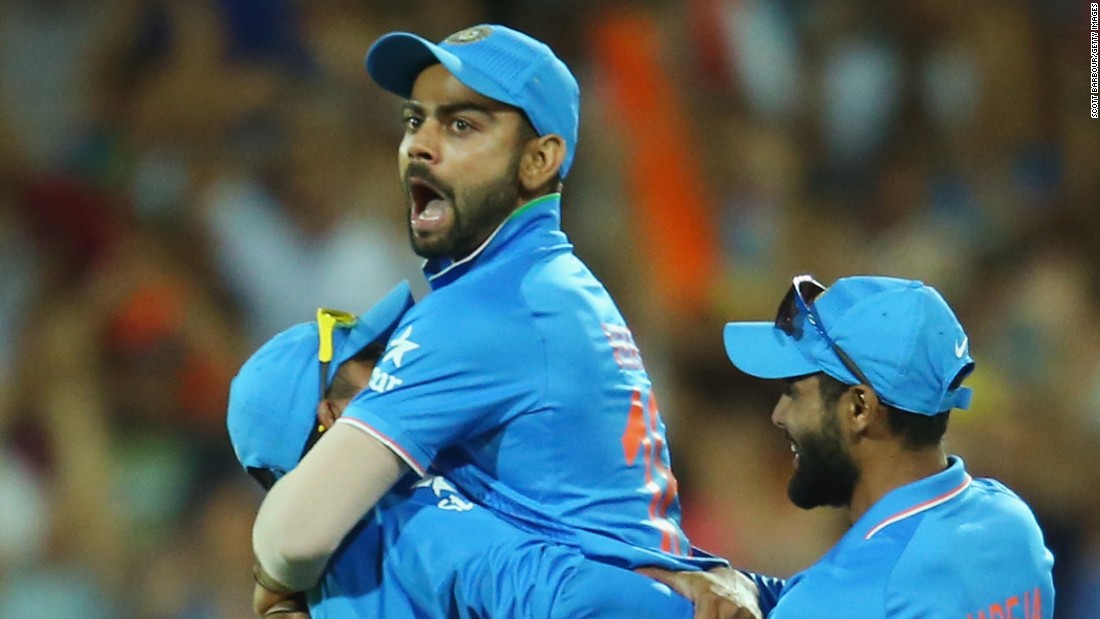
point(308, 512)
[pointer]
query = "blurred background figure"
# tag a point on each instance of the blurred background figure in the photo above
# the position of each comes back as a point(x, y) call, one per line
point(179, 181)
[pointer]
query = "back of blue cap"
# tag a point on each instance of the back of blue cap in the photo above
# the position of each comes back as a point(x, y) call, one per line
point(273, 399)
point(904, 336)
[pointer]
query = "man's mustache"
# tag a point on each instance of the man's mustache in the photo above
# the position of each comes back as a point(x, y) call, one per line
point(421, 172)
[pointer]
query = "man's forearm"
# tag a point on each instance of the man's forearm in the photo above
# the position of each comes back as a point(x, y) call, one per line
point(308, 512)
point(288, 560)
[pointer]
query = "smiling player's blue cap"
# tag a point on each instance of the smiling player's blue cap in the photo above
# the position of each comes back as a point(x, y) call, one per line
point(495, 61)
point(273, 399)
point(900, 333)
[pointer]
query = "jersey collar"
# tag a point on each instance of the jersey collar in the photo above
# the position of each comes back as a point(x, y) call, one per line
point(543, 213)
point(912, 499)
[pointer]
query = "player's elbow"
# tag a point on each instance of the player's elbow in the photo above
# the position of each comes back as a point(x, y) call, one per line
point(293, 562)
point(295, 556)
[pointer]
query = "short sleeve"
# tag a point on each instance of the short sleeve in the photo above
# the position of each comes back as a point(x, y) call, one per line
point(450, 376)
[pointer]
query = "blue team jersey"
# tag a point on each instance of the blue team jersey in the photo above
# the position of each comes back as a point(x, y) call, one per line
point(946, 546)
point(518, 379)
point(427, 552)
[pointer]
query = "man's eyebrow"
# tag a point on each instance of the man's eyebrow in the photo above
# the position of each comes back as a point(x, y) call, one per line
point(450, 109)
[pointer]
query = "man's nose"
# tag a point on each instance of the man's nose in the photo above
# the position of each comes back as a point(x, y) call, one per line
point(779, 413)
point(423, 145)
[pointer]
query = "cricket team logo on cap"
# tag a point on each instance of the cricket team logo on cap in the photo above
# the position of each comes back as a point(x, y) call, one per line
point(469, 35)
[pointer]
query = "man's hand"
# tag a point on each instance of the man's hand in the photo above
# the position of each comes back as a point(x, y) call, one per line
point(284, 608)
point(269, 599)
point(267, 603)
point(721, 593)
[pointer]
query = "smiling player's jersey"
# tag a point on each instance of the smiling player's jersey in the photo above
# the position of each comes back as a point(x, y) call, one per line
point(944, 546)
point(519, 380)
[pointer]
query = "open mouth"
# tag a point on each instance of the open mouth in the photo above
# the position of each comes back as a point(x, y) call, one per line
point(794, 448)
point(428, 202)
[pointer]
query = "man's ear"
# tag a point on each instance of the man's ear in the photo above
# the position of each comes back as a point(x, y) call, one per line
point(541, 161)
point(326, 415)
point(863, 409)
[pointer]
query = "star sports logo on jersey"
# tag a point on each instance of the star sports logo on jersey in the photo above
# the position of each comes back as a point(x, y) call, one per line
point(448, 496)
point(399, 346)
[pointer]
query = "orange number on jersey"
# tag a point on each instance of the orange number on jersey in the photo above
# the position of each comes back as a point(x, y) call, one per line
point(643, 434)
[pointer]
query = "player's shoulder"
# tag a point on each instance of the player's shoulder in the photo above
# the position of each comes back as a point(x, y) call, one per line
point(563, 282)
point(552, 279)
point(1006, 513)
point(995, 490)
point(987, 514)
point(557, 270)
point(952, 543)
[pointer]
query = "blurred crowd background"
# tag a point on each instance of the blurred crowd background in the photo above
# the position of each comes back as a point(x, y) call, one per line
point(181, 180)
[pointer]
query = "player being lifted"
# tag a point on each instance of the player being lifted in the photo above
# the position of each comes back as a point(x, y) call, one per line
point(509, 377)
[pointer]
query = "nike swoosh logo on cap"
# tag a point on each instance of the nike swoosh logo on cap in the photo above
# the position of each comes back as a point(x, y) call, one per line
point(960, 348)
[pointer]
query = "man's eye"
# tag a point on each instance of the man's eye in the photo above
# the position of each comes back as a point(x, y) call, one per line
point(412, 122)
point(461, 125)
point(788, 388)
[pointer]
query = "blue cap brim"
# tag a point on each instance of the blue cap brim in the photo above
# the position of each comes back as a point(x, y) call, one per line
point(397, 59)
point(760, 349)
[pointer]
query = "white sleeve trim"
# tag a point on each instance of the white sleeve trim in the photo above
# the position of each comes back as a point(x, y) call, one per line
point(388, 442)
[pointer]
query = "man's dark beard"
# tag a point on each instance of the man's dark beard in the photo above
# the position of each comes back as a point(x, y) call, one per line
point(826, 473)
point(483, 208)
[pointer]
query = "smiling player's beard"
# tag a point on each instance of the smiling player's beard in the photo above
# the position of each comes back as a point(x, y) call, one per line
point(479, 211)
point(826, 473)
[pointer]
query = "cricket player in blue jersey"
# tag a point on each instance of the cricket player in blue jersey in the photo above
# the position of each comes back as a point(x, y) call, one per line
point(516, 377)
point(426, 551)
point(873, 367)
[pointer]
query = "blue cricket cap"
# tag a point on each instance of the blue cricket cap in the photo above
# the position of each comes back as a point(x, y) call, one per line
point(495, 61)
point(900, 333)
point(273, 399)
